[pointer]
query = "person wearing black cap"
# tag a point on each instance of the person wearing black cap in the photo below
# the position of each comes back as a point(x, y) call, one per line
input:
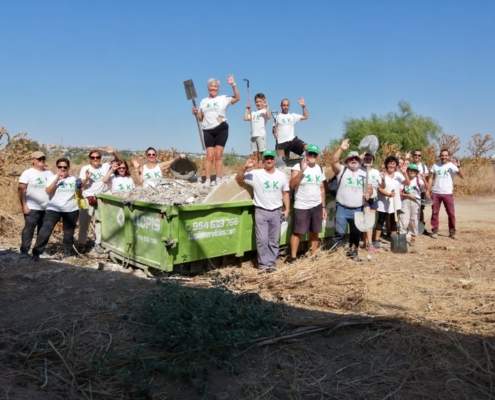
point(33, 198)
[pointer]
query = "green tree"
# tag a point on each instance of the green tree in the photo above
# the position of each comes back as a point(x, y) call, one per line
point(404, 128)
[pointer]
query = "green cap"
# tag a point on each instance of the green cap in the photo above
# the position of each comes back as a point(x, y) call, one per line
point(312, 148)
point(413, 167)
point(269, 153)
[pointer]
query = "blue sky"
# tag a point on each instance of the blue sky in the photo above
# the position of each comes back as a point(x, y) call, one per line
point(111, 72)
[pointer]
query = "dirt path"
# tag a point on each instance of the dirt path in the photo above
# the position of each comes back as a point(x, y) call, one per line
point(439, 299)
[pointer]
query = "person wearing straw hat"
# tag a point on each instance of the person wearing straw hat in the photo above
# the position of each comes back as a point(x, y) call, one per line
point(307, 181)
point(349, 198)
point(271, 204)
point(33, 198)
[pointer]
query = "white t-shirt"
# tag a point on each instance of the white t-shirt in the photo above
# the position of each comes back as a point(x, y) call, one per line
point(36, 196)
point(423, 169)
point(285, 126)
point(386, 204)
point(151, 176)
point(444, 177)
point(214, 110)
point(308, 193)
point(350, 192)
point(96, 184)
point(258, 123)
point(374, 179)
point(415, 187)
point(64, 198)
point(267, 187)
point(122, 184)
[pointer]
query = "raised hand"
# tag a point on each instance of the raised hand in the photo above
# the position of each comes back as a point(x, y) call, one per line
point(195, 111)
point(231, 80)
point(301, 101)
point(135, 163)
point(345, 145)
point(250, 163)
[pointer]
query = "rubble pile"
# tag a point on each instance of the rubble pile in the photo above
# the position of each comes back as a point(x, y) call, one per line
point(170, 191)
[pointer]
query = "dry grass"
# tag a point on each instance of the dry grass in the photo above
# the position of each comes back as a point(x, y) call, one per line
point(479, 177)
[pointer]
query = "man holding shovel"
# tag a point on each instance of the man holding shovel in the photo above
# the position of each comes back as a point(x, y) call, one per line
point(258, 120)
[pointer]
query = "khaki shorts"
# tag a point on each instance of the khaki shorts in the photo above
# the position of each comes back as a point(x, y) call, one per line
point(258, 143)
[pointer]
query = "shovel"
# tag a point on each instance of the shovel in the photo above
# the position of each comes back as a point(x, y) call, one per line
point(365, 220)
point(191, 95)
point(398, 241)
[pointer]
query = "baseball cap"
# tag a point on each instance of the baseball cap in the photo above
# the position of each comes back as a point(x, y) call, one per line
point(37, 154)
point(269, 153)
point(312, 148)
point(352, 154)
point(413, 167)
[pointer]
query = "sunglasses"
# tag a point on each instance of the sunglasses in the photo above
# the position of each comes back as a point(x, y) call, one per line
point(41, 159)
point(151, 154)
point(62, 167)
point(417, 155)
point(95, 157)
point(268, 159)
point(312, 154)
point(124, 168)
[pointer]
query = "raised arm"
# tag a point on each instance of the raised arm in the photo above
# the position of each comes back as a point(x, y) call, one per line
point(247, 113)
point(138, 172)
point(459, 170)
point(237, 96)
point(335, 163)
point(297, 176)
point(249, 165)
point(52, 187)
point(305, 111)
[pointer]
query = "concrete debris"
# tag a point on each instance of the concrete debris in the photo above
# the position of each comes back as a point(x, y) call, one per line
point(170, 191)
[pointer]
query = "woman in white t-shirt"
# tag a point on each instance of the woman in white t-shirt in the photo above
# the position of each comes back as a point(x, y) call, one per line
point(212, 115)
point(61, 205)
point(151, 172)
point(389, 201)
point(119, 179)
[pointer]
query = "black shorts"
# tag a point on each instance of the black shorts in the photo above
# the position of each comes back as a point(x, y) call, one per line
point(309, 220)
point(216, 136)
point(295, 145)
point(386, 221)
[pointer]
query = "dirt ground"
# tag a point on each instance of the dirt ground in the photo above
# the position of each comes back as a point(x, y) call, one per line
point(399, 326)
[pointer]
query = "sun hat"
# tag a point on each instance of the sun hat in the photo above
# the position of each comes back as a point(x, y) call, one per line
point(313, 148)
point(352, 154)
point(269, 153)
point(37, 154)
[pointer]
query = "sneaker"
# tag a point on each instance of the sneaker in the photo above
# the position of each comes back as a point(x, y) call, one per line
point(36, 257)
point(434, 235)
point(290, 260)
point(452, 235)
point(353, 254)
point(213, 182)
point(376, 244)
point(24, 256)
point(206, 183)
point(98, 249)
point(266, 268)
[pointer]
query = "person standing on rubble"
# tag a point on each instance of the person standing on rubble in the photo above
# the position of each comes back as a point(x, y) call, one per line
point(271, 204)
point(212, 115)
point(151, 172)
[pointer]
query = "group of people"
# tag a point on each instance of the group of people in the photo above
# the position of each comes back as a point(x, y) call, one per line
point(395, 195)
point(46, 198)
point(212, 115)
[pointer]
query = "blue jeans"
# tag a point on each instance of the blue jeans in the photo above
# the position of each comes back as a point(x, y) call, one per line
point(343, 217)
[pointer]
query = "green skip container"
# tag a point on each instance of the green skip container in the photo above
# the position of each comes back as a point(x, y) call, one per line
point(162, 237)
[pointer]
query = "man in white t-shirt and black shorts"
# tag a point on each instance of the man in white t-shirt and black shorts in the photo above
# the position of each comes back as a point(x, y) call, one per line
point(307, 181)
point(271, 203)
point(33, 198)
point(284, 131)
point(441, 187)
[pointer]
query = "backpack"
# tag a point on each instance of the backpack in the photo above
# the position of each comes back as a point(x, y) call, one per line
point(334, 184)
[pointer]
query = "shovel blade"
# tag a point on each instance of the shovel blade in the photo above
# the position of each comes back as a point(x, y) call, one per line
point(364, 220)
point(398, 242)
point(190, 90)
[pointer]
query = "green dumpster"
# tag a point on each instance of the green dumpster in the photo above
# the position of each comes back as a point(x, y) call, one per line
point(163, 236)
